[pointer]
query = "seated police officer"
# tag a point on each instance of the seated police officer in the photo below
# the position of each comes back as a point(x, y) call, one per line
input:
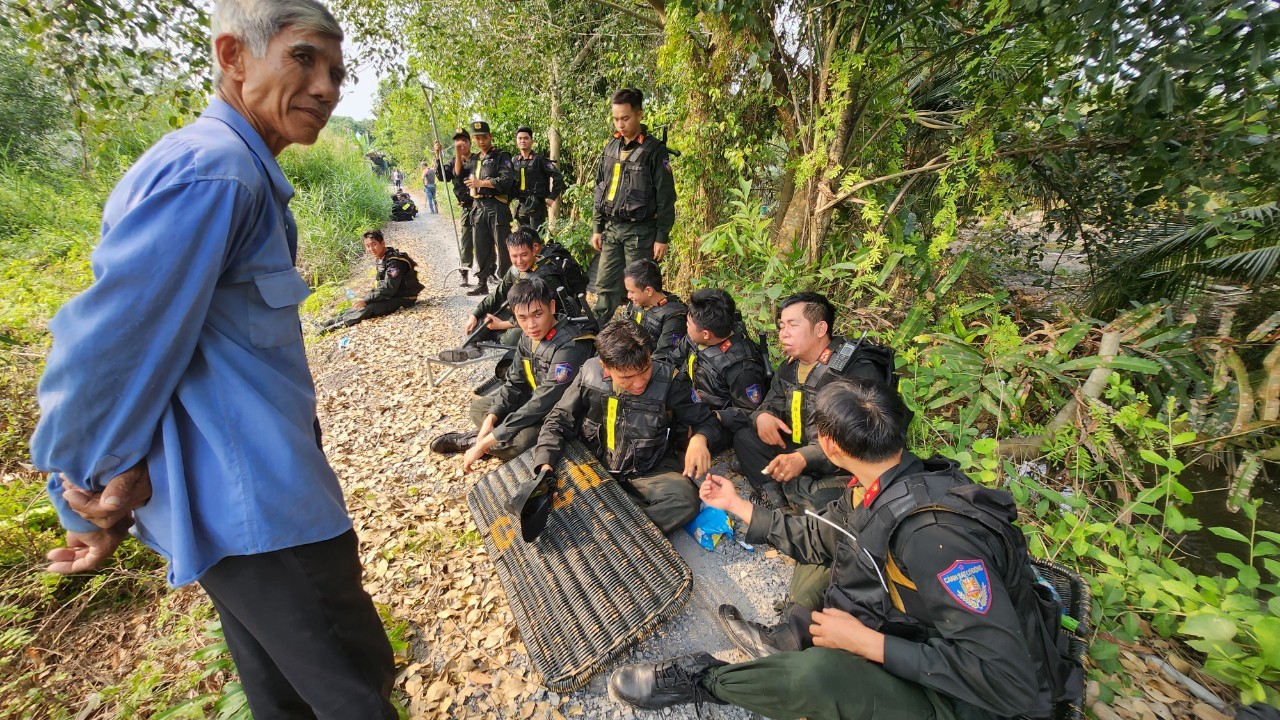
point(660, 313)
point(934, 610)
point(525, 249)
point(779, 453)
point(725, 367)
point(623, 405)
point(549, 355)
point(397, 285)
point(402, 207)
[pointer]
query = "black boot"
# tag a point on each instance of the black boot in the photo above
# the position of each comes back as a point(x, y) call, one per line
point(672, 682)
point(463, 272)
point(754, 639)
point(481, 288)
point(454, 442)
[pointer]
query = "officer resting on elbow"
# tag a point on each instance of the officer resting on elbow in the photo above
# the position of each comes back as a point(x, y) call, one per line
point(623, 405)
point(397, 285)
point(660, 313)
point(933, 610)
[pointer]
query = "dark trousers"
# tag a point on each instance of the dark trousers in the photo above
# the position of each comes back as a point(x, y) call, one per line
point(536, 218)
point(468, 240)
point(521, 441)
point(304, 635)
point(492, 226)
point(373, 309)
point(813, 490)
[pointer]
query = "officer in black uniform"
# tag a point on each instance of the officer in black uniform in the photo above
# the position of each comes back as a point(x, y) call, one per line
point(933, 611)
point(779, 454)
point(660, 313)
point(635, 200)
point(397, 285)
point(549, 355)
point(538, 182)
point(624, 405)
point(403, 207)
point(457, 172)
point(491, 185)
point(726, 369)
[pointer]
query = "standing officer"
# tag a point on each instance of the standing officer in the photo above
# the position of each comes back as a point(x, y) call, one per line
point(548, 356)
point(635, 200)
point(659, 312)
point(491, 185)
point(458, 172)
point(538, 182)
point(933, 611)
point(624, 406)
point(780, 455)
point(726, 369)
point(396, 287)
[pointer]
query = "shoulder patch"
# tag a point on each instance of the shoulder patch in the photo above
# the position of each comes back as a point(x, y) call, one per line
point(563, 372)
point(754, 394)
point(967, 583)
point(666, 163)
point(393, 270)
point(675, 339)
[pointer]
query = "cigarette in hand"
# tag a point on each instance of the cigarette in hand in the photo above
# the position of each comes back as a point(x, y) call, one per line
point(764, 471)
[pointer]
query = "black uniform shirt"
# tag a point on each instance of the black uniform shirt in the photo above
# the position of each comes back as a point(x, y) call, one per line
point(460, 190)
point(395, 277)
point(538, 377)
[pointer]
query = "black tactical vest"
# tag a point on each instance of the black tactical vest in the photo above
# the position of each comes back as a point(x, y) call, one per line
point(867, 582)
point(707, 368)
point(536, 365)
point(410, 286)
point(655, 317)
point(489, 167)
point(531, 180)
point(625, 191)
point(629, 433)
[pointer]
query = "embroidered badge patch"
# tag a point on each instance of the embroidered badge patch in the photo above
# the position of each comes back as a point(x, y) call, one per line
point(393, 271)
point(967, 582)
point(666, 163)
point(563, 373)
point(694, 394)
point(754, 394)
point(675, 339)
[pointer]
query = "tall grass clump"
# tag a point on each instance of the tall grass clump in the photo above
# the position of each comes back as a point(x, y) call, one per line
point(338, 198)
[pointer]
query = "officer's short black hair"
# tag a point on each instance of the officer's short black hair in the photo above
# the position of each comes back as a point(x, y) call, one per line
point(864, 418)
point(375, 234)
point(623, 346)
point(524, 237)
point(525, 129)
point(628, 96)
point(645, 274)
point(713, 310)
point(817, 309)
point(527, 292)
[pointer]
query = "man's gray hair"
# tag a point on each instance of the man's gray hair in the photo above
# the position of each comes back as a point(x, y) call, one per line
point(255, 22)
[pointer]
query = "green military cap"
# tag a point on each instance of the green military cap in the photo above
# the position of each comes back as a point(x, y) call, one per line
point(480, 127)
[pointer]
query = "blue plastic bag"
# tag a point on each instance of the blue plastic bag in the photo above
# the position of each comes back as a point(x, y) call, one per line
point(710, 527)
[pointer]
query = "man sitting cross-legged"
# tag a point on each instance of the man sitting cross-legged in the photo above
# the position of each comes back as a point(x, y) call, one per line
point(549, 355)
point(933, 610)
point(623, 406)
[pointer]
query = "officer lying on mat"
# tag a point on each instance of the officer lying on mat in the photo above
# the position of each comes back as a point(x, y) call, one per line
point(624, 405)
point(726, 369)
point(660, 313)
point(943, 618)
point(548, 357)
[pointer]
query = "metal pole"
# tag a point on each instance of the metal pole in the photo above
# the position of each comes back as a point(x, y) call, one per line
point(453, 223)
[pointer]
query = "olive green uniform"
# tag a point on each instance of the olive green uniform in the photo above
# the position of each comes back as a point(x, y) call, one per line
point(635, 207)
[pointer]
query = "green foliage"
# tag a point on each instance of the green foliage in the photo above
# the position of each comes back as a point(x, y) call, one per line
point(29, 106)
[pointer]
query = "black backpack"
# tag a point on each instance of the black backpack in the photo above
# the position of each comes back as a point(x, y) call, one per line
point(570, 270)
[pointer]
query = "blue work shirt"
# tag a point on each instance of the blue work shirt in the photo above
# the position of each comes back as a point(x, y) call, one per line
point(186, 353)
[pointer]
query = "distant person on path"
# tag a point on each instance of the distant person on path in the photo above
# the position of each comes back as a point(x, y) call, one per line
point(397, 177)
point(403, 208)
point(458, 172)
point(538, 183)
point(635, 200)
point(177, 397)
point(491, 185)
point(397, 285)
point(429, 187)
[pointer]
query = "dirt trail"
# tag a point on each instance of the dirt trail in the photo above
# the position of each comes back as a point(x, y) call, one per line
point(423, 558)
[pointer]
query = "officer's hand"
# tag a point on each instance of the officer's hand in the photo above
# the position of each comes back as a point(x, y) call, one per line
point(597, 241)
point(718, 492)
point(436, 147)
point(85, 551)
point(786, 467)
point(838, 629)
point(550, 202)
point(493, 322)
point(472, 322)
point(767, 427)
point(126, 491)
point(472, 457)
point(659, 251)
point(357, 304)
point(697, 458)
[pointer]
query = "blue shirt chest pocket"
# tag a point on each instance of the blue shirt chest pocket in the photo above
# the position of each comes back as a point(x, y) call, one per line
point(273, 309)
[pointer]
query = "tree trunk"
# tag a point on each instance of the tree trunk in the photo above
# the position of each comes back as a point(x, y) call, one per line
point(553, 133)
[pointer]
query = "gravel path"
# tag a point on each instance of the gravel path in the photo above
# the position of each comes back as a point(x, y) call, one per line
point(379, 414)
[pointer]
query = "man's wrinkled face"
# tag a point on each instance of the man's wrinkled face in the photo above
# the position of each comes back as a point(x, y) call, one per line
point(524, 141)
point(630, 381)
point(485, 142)
point(375, 247)
point(291, 91)
point(626, 120)
point(797, 336)
point(522, 257)
point(536, 319)
point(462, 146)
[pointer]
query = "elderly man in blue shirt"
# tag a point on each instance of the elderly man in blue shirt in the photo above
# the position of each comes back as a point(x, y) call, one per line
point(177, 396)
